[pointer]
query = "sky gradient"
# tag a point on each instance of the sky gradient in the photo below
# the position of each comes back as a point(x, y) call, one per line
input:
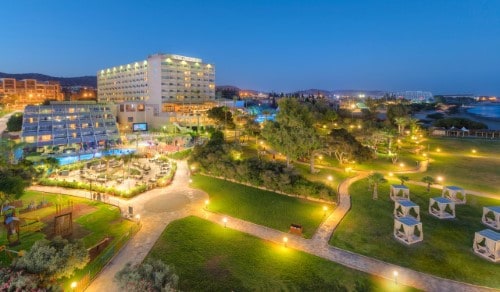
point(445, 46)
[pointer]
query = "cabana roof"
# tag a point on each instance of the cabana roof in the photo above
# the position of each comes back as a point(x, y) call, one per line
point(408, 221)
point(494, 208)
point(454, 188)
point(399, 186)
point(488, 233)
point(407, 203)
point(442, 200)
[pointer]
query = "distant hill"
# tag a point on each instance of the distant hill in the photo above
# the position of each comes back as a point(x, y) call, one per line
point(64, 81)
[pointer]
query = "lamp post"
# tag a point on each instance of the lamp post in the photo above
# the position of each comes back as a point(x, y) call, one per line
point(73, 285)
point(285, 241)
point(224, 220)
point(395, 273)
point(325, 208)
point(206, 204)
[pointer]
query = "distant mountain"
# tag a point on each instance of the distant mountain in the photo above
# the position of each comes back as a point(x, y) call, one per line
point(64, 81)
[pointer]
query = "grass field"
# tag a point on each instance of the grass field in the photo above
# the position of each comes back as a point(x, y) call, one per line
point(322, 175)
point(208, 257)
point(459, 166)
point(103, 220)
point(261, 207)
point(446, 250)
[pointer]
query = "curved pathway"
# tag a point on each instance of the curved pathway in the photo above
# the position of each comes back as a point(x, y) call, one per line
point(161, 206)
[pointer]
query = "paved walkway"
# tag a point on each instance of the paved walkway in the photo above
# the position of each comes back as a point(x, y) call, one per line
point(154, 220)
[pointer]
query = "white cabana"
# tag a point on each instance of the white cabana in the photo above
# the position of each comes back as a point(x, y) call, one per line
point(487, 244)
point(399, 192)
point(491, 217)
point(442, 208)
point(408, 230)
point(456, 194)
point(403, 208)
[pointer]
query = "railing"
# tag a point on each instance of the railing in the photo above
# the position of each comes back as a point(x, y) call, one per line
point(93, 268)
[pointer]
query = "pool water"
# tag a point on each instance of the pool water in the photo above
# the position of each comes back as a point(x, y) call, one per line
point(64, 160)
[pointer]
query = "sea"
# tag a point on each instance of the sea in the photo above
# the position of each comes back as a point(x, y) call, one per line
point(489, 111)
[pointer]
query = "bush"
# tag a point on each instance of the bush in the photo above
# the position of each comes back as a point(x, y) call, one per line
point(459, 123)
point(152, 275)
point(180, 155)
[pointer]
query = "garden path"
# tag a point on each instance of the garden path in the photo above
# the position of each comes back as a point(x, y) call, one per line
point(154, 222)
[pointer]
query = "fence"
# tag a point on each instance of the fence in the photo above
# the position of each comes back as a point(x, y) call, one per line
point(94, 267)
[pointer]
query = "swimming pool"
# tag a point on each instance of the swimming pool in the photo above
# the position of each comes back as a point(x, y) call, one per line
point(64, 160)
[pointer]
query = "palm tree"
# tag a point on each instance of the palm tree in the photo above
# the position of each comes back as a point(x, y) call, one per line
point(414, 125)
point(429, 180)
point(375, 179)
point(403, 179)
point(401, 122)
point(52, 163)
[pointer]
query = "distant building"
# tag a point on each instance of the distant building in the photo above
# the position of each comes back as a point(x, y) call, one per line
point(415, 96)
point(82, 93)
point(165, 88)
point(16, 94)
point(82, 125)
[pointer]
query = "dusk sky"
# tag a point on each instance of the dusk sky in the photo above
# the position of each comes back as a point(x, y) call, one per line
point(444, 46)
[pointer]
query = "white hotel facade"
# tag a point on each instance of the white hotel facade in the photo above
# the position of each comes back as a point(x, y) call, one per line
point(163, 89)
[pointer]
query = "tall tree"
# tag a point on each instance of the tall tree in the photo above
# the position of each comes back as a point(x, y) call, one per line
point(401, 122)
point(15, 122)
point(375, 180)
point(222, 115)
point(289, 133)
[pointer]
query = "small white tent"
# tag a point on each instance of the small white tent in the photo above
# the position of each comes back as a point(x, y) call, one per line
point(487, 244)
point(408, 230)
point(491, 217)
point(437, 208)
point(403, 208)
point(456, 194)
point(399, 192)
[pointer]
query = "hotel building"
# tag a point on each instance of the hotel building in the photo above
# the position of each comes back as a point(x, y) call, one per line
point(81, 126)
point(163, 89)
point(16, 94)
point(415, 96)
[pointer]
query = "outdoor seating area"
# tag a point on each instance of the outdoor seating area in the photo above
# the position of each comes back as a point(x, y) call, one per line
point(487, 245)
point(491, 217)
point(399, 192)
point(456, 194)
point(118, 174)
point(403, 208)
point(408, 230)
point(442, 208)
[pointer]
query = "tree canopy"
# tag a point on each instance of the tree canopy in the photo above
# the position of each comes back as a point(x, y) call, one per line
point(292, 131)
point(222, 115)
point(345, 147)
point(15, 122)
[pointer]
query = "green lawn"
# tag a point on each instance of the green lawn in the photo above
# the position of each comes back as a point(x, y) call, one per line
point(261, 207)
point(446, 250)
point(459, 166)
point(208, 257)
point(322, 175)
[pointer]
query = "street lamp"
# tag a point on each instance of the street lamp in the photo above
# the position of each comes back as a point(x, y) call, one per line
point(391, 174)
point(285, 241)
point(325, 208)
point(474, 151)
point(138, 218)
point(401, 165)
point(224, 220)
point(330, 178)
point(395, 273)
point(206, 204)
point(73, 285)
point(440, 178)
